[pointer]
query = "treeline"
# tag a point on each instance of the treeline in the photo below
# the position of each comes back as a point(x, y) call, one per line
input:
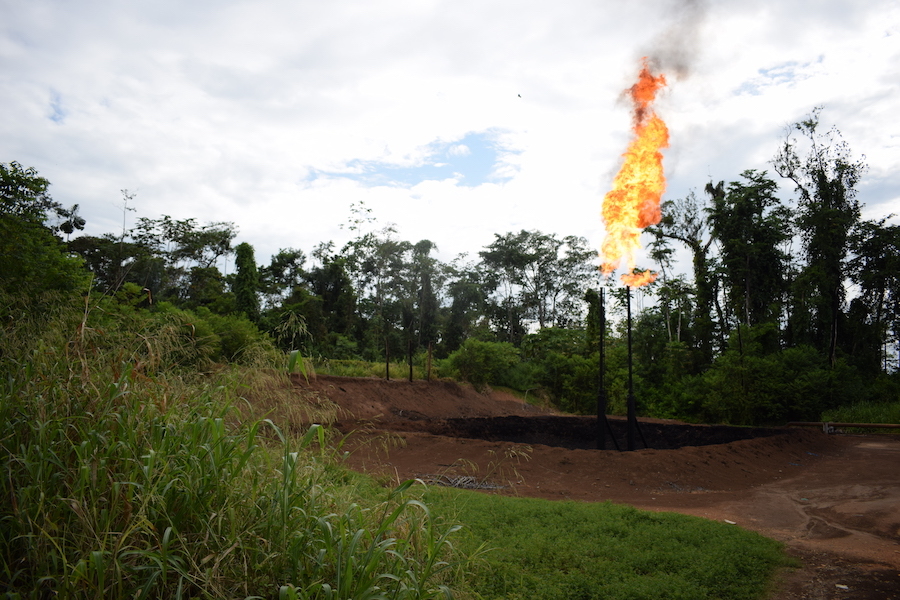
point(790, 308)
point(376, 294)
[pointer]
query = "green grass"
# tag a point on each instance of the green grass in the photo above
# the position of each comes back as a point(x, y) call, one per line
point(566, 550)
point(117, 499)
point(362, 368)
point(866, 412)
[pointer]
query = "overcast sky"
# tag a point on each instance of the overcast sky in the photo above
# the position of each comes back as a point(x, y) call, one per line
point(455, 120)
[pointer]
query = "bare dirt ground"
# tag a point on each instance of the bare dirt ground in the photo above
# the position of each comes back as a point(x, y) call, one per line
point(834, 500)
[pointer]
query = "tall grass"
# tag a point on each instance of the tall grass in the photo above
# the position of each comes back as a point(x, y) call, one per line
point(865, 412)
point(362, 368)
point(123, 476)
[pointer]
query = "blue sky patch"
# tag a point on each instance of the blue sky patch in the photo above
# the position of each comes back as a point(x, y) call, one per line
point(471, 161)
point(57, 113)
point(785, 73)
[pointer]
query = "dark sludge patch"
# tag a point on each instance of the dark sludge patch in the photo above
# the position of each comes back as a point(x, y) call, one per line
point(581, 433)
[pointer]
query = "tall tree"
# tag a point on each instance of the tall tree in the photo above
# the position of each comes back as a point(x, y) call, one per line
point(331, 282)
point(541, 277)
point(24, 194)
point(467, 291)
point(378, 264)
point(425, 277)
point(159, 254)
point(246, 282)
point(505, 261)
point(826, 180)
point(283, 275)
point(875, 269)
point(684, 221)
point(752, 225)
point(675, 299)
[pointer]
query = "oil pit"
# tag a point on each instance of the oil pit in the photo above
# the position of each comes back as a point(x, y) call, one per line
point(580, 433)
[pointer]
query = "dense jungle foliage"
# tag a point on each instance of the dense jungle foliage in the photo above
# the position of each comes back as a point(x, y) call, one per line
point(790, 307)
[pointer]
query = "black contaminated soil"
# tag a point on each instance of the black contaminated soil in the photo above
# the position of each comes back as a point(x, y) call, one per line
point(583, 433)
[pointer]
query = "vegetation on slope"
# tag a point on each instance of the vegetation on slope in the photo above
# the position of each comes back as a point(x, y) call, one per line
point(126, 476)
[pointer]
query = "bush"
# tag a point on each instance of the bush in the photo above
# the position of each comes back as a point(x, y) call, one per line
point(865, 412)
point(482, 363)
point(570, 380)
point(33, 260)
point(792, 384)
point(238, 336)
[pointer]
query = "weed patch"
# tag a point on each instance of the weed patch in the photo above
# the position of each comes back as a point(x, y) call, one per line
point(563, 550)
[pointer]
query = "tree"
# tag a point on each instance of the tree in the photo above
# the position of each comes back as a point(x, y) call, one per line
point(539, 277)
point(875, 269)
point(675, 300)
point(684, 221)
point(69, 220)
point(206, 287)
point(424, 276)
point(751, 226)
point(184, 241)
point(505, 261)
point(157, 254)
point(32, 257)
point(24, 195)
point(826, 181)
point(246, 282)
point(283, 275)
point(468, 299)
point(330, 282)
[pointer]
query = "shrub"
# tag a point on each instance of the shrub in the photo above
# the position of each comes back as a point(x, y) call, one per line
point(238, 337)
point(570, 380)
point(481, 363)
point(792, 384)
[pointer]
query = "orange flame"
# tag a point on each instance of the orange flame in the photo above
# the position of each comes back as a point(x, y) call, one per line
point(633, 202)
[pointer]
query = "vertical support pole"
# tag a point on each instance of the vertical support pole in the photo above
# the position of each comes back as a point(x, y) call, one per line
point(428, 367)
point(409, 354)
point(601, 378)
point(632, 409)
point(387, 359)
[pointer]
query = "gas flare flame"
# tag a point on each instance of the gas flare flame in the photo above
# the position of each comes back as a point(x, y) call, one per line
point(633, 203)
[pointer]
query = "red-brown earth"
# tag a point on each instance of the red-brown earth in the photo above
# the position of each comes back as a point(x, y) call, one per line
point(832, 499)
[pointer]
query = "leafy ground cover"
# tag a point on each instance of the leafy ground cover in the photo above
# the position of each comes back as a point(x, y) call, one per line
point(532, 548)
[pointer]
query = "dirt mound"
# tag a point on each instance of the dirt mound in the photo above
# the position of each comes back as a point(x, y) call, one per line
point(834, 500)
point(365, 398)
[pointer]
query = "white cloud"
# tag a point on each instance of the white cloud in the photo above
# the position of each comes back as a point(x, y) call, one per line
point(223, 110)
point(459, 150)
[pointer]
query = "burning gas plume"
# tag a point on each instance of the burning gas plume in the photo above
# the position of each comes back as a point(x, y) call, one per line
point(633, 202)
